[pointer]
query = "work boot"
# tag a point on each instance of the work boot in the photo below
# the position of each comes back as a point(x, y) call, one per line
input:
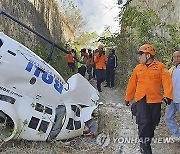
point(145, 148)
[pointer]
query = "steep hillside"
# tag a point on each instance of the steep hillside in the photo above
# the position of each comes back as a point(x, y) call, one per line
point(42, 15)
point(168, 10)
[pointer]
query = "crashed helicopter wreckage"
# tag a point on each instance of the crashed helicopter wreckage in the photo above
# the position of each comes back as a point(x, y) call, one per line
point(35, 101)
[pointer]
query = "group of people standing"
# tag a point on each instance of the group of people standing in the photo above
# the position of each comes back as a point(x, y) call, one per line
point(145, 86)
point(97, 64)
point(105, 67)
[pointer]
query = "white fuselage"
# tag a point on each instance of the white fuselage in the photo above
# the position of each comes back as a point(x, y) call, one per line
point(36, 100)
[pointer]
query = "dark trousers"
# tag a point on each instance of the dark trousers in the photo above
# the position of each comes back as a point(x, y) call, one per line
point(94, 71)
point(82, 70)
point(110, 73)
point(71, 66)
point(147, 118)
point(101, 77)
point(89, 71)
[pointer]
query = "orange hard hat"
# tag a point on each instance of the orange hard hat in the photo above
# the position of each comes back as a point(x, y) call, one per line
point(100, 46)
point(148, 48)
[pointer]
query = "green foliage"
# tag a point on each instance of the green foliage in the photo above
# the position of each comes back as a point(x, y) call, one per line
point(58, 60)
point(16, 131)
point(33, 105)
point(141, 25)
point(60, 64)
point(71, 15)
point(25, 122)
point(86, 40)
point(40, 133)
point(41, 51)
point(167, 5)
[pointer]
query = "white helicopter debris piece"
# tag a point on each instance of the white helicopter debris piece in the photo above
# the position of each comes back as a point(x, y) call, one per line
point(35, 101)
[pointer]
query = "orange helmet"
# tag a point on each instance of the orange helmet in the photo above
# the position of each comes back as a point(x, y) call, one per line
point(100, 46)
point(148, 48)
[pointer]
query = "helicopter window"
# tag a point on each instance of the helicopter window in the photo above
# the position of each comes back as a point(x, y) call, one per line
point(48, 110)
point(7, 126)
point(7, 99)
point(77, 124)
point(12, 53)
point(39, 107)
point(42, 108)
point(1, 42)
point(73, 107)
point(33, 123)
point(76, 110)
point(70, 124)
point(43, 126)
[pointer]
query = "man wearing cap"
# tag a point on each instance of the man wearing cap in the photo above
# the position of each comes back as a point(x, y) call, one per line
point(145, 86)
point(100, 60)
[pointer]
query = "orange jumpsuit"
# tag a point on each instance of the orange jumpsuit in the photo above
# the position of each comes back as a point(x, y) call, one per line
point(70, 58)
point(148, 81)
point(100, 61)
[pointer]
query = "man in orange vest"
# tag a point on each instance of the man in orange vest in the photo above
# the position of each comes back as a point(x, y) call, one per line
point(70, 61)
point(145, 86)
point(100, 60)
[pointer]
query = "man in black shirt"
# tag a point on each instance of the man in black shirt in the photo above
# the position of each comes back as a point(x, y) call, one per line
point(110, 68)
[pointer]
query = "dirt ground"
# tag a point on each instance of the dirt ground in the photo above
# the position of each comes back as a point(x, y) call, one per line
point(115, 124)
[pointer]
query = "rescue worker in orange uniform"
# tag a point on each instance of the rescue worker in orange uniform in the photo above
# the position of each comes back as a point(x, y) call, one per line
point(145, 86)
point(70, 61)
point(100, 60)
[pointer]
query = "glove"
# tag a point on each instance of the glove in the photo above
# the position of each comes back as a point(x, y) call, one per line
point(167, 100)
point(127, 103)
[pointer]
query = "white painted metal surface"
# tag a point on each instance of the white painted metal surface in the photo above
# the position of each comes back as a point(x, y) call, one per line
point(36, 103)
